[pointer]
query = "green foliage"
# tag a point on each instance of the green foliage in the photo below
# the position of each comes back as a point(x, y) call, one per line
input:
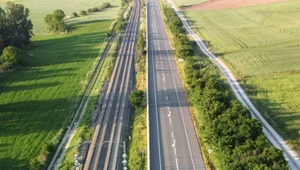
point(39, 9)
point(37, 103)
point(15, 27)
point(83, 13)
point(74, 14)
point(137, 98)
point(183, 47)
point(227, 126)
point(13, 55)
point(90, 10)
point(140, 65)
point(111, 29)
point(98, 9)
point(261, 46)
point(120, 24)
point(123, 3)
point(55, 21)
point(35, 164)
point(106, 5)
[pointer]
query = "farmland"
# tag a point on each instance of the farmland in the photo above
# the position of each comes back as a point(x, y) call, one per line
point(188, 2)
point(38, 102)
point(39, 9)
point(261, 46)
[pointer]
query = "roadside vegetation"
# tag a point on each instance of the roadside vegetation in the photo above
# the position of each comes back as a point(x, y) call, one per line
point(230, 137)
point(261, 46)
point(138, 145)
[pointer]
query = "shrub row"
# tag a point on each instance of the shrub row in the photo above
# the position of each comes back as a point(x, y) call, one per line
point(140, 65)
point(100, 8)
point(183, 47)
point(226, 126)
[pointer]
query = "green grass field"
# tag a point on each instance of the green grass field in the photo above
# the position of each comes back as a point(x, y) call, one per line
point(37, 102)
point(262, 47)
point(39, 9)
point(188, 2)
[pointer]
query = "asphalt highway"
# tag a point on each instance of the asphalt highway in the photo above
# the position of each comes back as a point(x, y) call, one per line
point(112, 120)
point(173, 141)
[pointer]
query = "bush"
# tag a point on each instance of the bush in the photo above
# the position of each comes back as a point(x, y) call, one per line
point(55, 21)
point(74, 14)
point(13, 55)
point(106, 5)
point(35, 164)
point(137, 98)
point(90, 10)
point(83, 13)
point(227, 126)
point(96, 9)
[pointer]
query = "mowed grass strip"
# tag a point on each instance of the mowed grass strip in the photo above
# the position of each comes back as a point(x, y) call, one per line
point(38, 102)
point(262, 47)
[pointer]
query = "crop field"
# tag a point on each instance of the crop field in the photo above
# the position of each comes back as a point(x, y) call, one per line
point(262, 46)
point(37, 102)
point(188, 2)
point(39, 9)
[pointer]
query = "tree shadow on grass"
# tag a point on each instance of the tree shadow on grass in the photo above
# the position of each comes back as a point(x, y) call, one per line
point(12, 163)
point(28, 120)
point(65, 50)
point(75, 24)
point(27, 87)
point(34, 116)
point(275, 115)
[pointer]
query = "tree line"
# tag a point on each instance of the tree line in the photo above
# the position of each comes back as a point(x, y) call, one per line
point(226, 125)
point(15, 34)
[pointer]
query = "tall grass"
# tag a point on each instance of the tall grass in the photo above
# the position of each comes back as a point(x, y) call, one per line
point(37, 102)
point(262, 47)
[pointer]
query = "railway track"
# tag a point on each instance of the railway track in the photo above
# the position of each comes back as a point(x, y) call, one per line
point(114, 114)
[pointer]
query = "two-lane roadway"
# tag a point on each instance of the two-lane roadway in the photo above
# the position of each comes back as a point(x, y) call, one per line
point(173, 141)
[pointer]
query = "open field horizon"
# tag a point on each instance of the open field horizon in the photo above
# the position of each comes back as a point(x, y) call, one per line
point(37, 102)
point(39, 9)
point(261, 45)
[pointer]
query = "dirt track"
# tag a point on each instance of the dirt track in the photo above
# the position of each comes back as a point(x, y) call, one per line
point(226, 4)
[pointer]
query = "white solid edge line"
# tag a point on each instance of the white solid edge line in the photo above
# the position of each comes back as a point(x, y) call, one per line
point(184, 125)
point(176, 163)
